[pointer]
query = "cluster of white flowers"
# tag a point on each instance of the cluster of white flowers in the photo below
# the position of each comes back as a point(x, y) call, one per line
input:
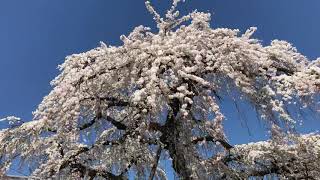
point(293, 158)
point(114, 97)
point(12, 120)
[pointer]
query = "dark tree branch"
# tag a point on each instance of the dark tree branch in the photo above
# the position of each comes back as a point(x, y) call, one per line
point(225, 144)
point(117, 124)
point(51, 130)
point(72, 157)
point(154, 126)
point(92, 172)
point(88, 124)
point(113, 101)
point(132, 162)
point(71, 161)
point(155, 165)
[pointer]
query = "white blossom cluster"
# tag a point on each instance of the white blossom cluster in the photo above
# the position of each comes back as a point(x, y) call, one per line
point(294, 158)
point(113, 110)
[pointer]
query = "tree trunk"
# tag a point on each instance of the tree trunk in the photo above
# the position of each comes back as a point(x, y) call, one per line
point(174, 136)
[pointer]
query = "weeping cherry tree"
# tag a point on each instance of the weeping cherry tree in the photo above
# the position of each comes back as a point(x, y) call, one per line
point(121, 112)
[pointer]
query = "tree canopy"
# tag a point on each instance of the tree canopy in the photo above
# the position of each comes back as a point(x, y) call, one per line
point(116, 111)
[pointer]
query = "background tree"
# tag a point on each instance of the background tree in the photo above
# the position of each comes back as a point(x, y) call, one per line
point(116, 112)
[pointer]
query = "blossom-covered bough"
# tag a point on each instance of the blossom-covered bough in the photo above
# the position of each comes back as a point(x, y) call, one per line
point(118, 112)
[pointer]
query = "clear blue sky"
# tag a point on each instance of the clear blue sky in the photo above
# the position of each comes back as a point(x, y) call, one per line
point(36, 35)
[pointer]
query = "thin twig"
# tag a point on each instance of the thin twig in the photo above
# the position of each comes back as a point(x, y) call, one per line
point(155, 165)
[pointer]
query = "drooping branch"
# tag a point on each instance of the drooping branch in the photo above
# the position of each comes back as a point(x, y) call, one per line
point(155, 164)
point(225, 144)
point(72, 162)
point(88, 124)
point(93, 172)
point(117, 124)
